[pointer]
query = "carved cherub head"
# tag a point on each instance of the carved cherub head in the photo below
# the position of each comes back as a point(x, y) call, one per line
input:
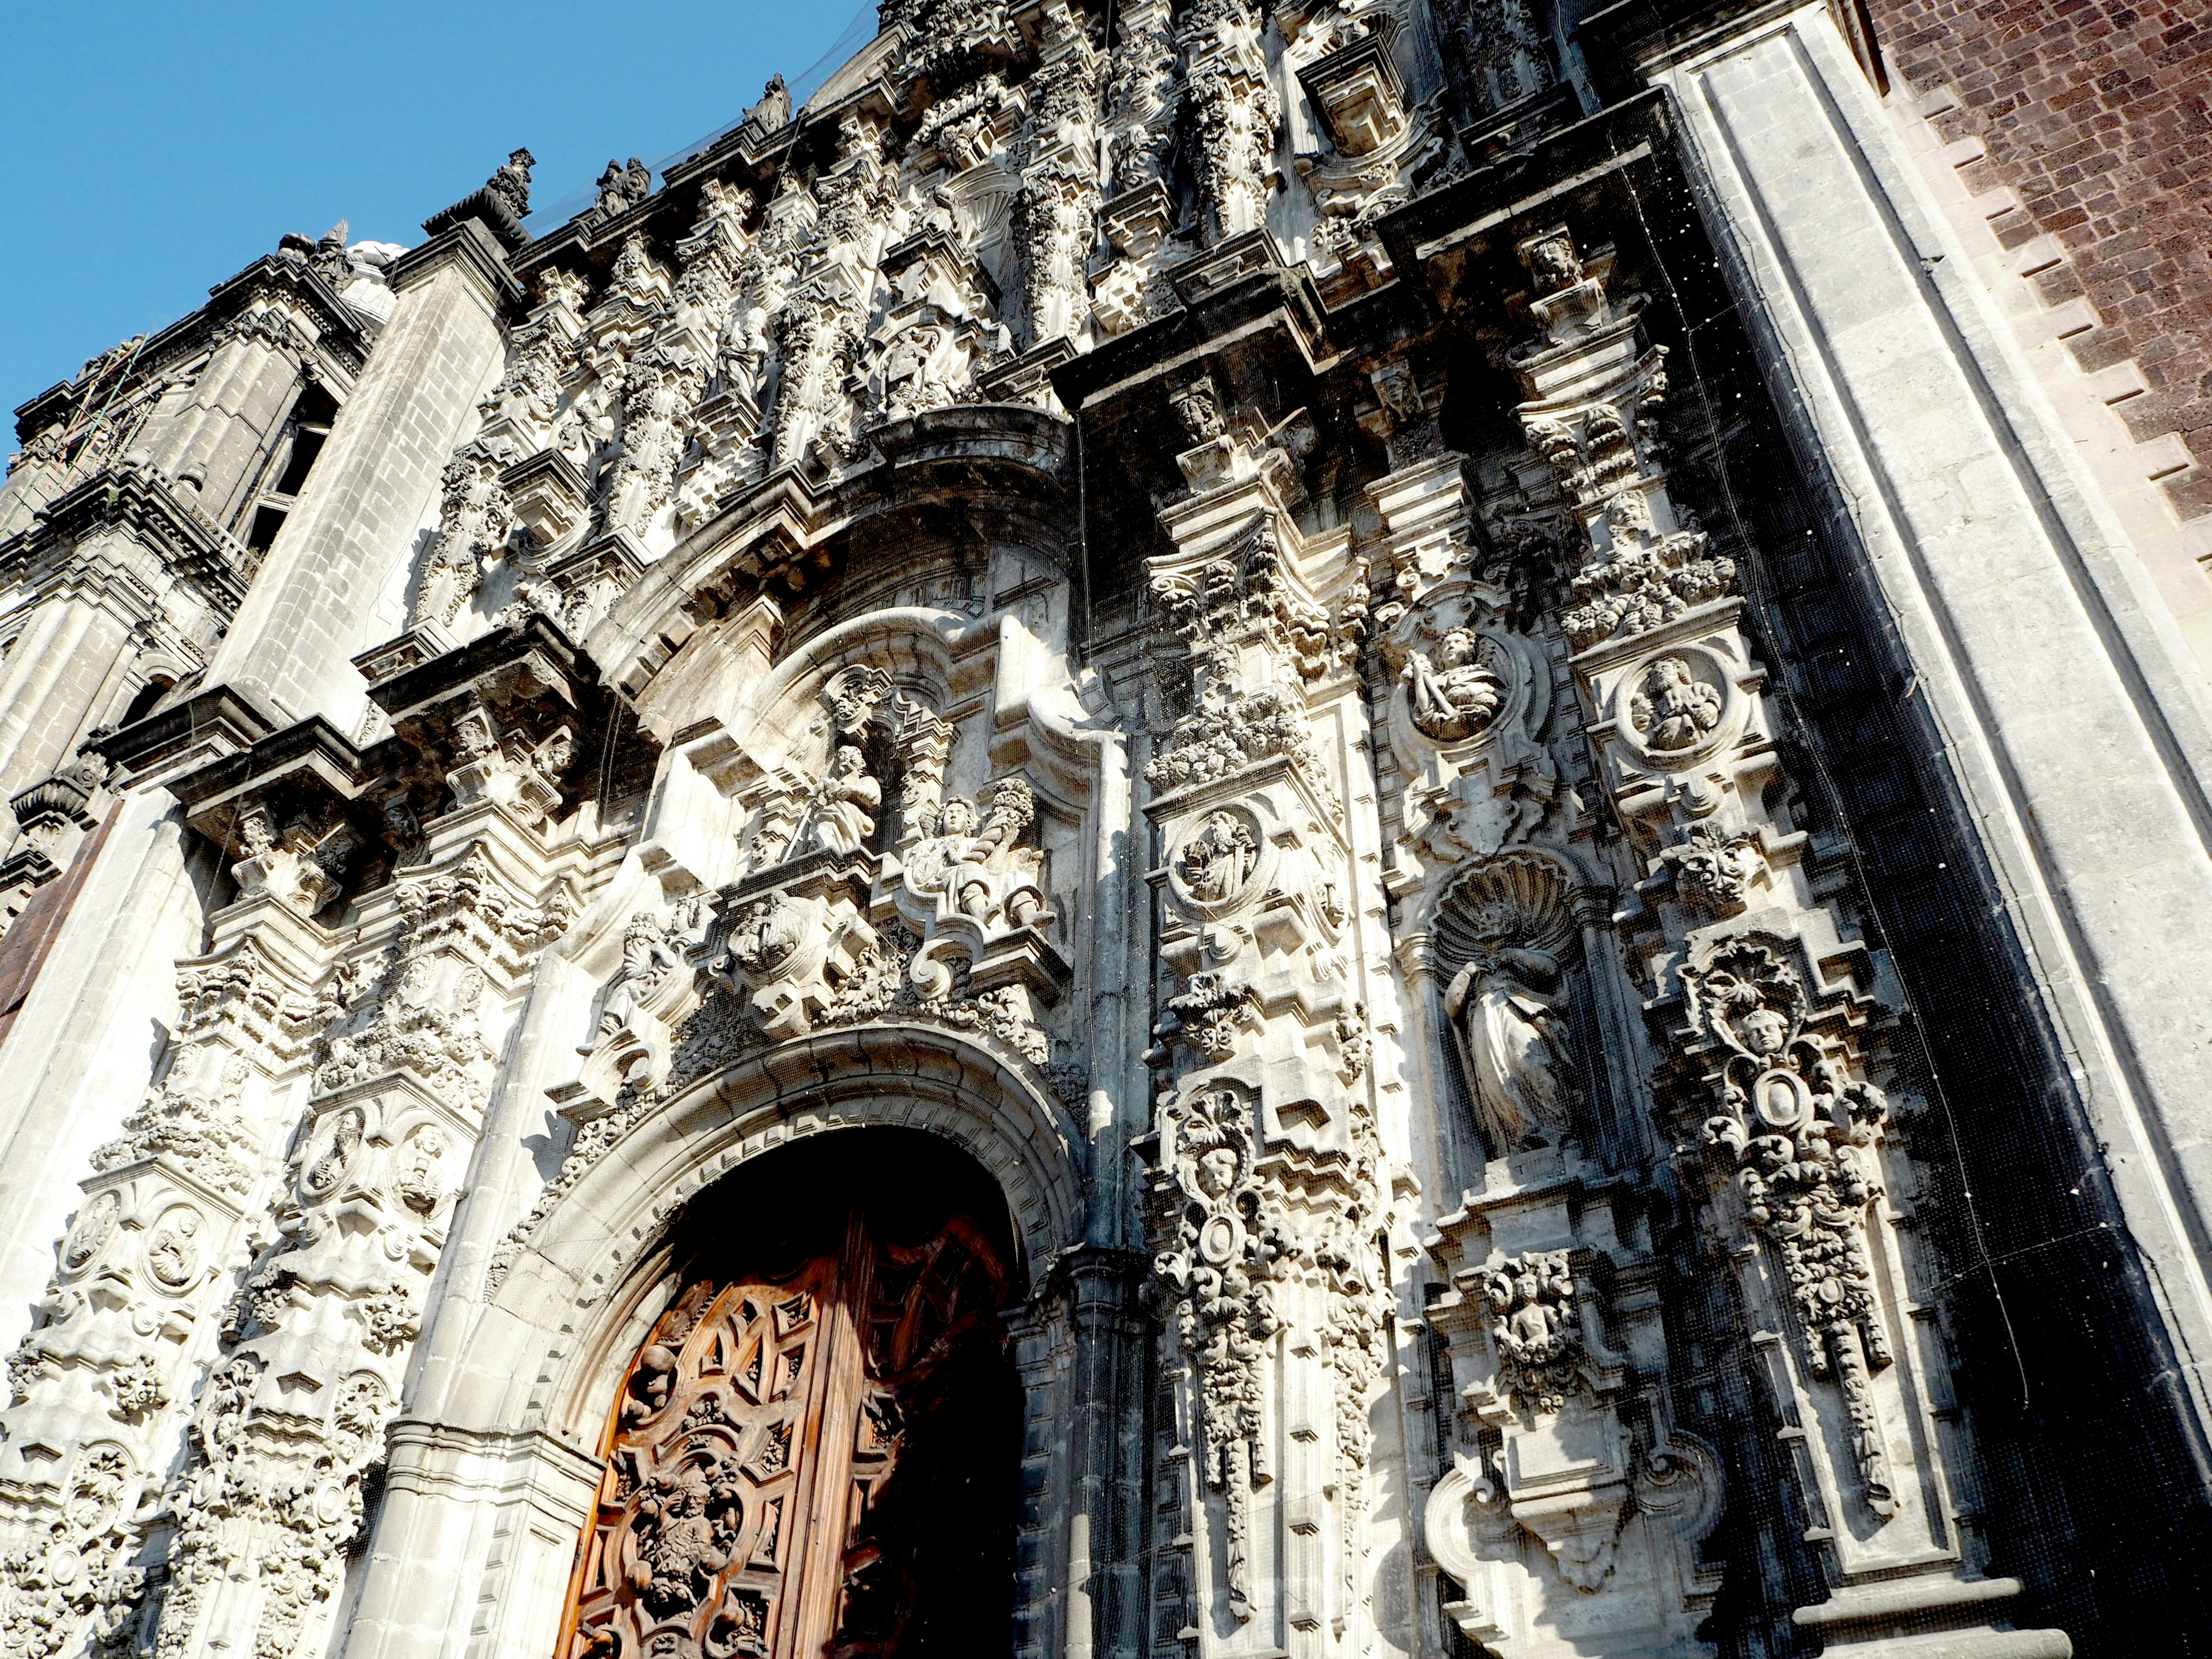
point(1764, 1031)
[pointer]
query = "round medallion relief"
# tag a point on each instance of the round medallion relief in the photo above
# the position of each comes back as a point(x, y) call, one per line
point(172, 1255)
point(1219, 859)
point(1673, 708)
point(90, 1232)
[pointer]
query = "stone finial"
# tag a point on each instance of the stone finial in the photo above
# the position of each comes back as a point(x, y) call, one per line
point(511, 183)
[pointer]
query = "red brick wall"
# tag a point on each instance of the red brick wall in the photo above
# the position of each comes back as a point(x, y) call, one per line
point(2098, 114)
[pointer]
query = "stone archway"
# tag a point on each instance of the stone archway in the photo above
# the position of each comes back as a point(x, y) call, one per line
point(815, 1449)
point(517, 1414)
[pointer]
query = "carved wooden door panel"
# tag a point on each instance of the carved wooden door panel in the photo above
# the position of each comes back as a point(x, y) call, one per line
point(752, 1506)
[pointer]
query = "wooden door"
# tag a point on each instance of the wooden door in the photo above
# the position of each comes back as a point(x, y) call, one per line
point(795, 1460)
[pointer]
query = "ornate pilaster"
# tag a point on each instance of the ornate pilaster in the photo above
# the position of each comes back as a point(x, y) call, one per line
point(250, 1541)
point(1266, 1189)
point(1060, 181)
point(1225, 73)
point(823, 320)
point(100, 1386)
point(1774, 1020)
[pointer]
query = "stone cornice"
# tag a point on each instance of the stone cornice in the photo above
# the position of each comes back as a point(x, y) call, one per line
point(140, 502)
point(471, 247)
point(536, 655)
point(211, 722)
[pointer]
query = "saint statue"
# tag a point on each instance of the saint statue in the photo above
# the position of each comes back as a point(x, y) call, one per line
point(844, 812)
point(1518, 1068)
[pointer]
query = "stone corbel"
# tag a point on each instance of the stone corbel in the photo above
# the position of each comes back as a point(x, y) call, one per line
point(502, 768)
point(791, 940)
point(1556, 1344)
point(299, 866)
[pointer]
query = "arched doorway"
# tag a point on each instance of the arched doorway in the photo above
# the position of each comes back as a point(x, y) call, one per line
point(815, 1452)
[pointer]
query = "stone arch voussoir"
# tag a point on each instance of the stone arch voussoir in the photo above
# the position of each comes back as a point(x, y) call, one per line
point(576, 1302)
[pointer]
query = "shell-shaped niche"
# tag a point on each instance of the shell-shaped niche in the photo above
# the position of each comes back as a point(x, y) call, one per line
point(1523, 899)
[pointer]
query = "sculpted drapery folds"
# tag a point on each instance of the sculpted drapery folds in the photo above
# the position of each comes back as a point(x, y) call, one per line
point(1009, 597)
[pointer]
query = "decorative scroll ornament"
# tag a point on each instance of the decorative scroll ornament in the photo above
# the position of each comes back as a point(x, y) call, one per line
point(1801, 1136)
point(1217, 1276)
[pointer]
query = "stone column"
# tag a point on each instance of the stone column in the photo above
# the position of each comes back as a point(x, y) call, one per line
point(323, 595)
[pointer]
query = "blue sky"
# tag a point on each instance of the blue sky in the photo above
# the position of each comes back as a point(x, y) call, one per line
point(151, 150)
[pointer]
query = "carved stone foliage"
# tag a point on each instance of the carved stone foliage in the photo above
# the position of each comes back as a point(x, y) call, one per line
point(75, 1584)
point(1714, 866)
point(1218, 1278)
point(1800, 1132)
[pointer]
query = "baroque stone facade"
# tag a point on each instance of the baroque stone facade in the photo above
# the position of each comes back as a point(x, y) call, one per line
point(1214, 829)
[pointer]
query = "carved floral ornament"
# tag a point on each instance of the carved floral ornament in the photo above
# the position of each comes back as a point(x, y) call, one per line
point(1802, 1134)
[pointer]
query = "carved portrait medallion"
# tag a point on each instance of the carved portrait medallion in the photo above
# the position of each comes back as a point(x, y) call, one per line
point(90, 1234)
point(172, 1255)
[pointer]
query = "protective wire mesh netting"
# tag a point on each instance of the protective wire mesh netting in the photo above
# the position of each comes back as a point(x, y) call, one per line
point(855, 35)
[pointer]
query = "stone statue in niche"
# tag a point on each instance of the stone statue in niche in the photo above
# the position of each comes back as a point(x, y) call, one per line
point(844, 812)
point(1219, 859)
point(1502, 1009)
point(1457, 695)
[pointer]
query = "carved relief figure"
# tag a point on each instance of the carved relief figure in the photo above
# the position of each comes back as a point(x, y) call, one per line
point(648, 958)
point(1673, 709)
point(1518, 1068)
point(1457, 696)
point(767, 935)
point(418, 1183)
point(89, 1236)
point(844, 809)
point(171, 1255)
point(982, 871)
point(1219, 859)
point(328, 1167)
point(1535, 1329)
